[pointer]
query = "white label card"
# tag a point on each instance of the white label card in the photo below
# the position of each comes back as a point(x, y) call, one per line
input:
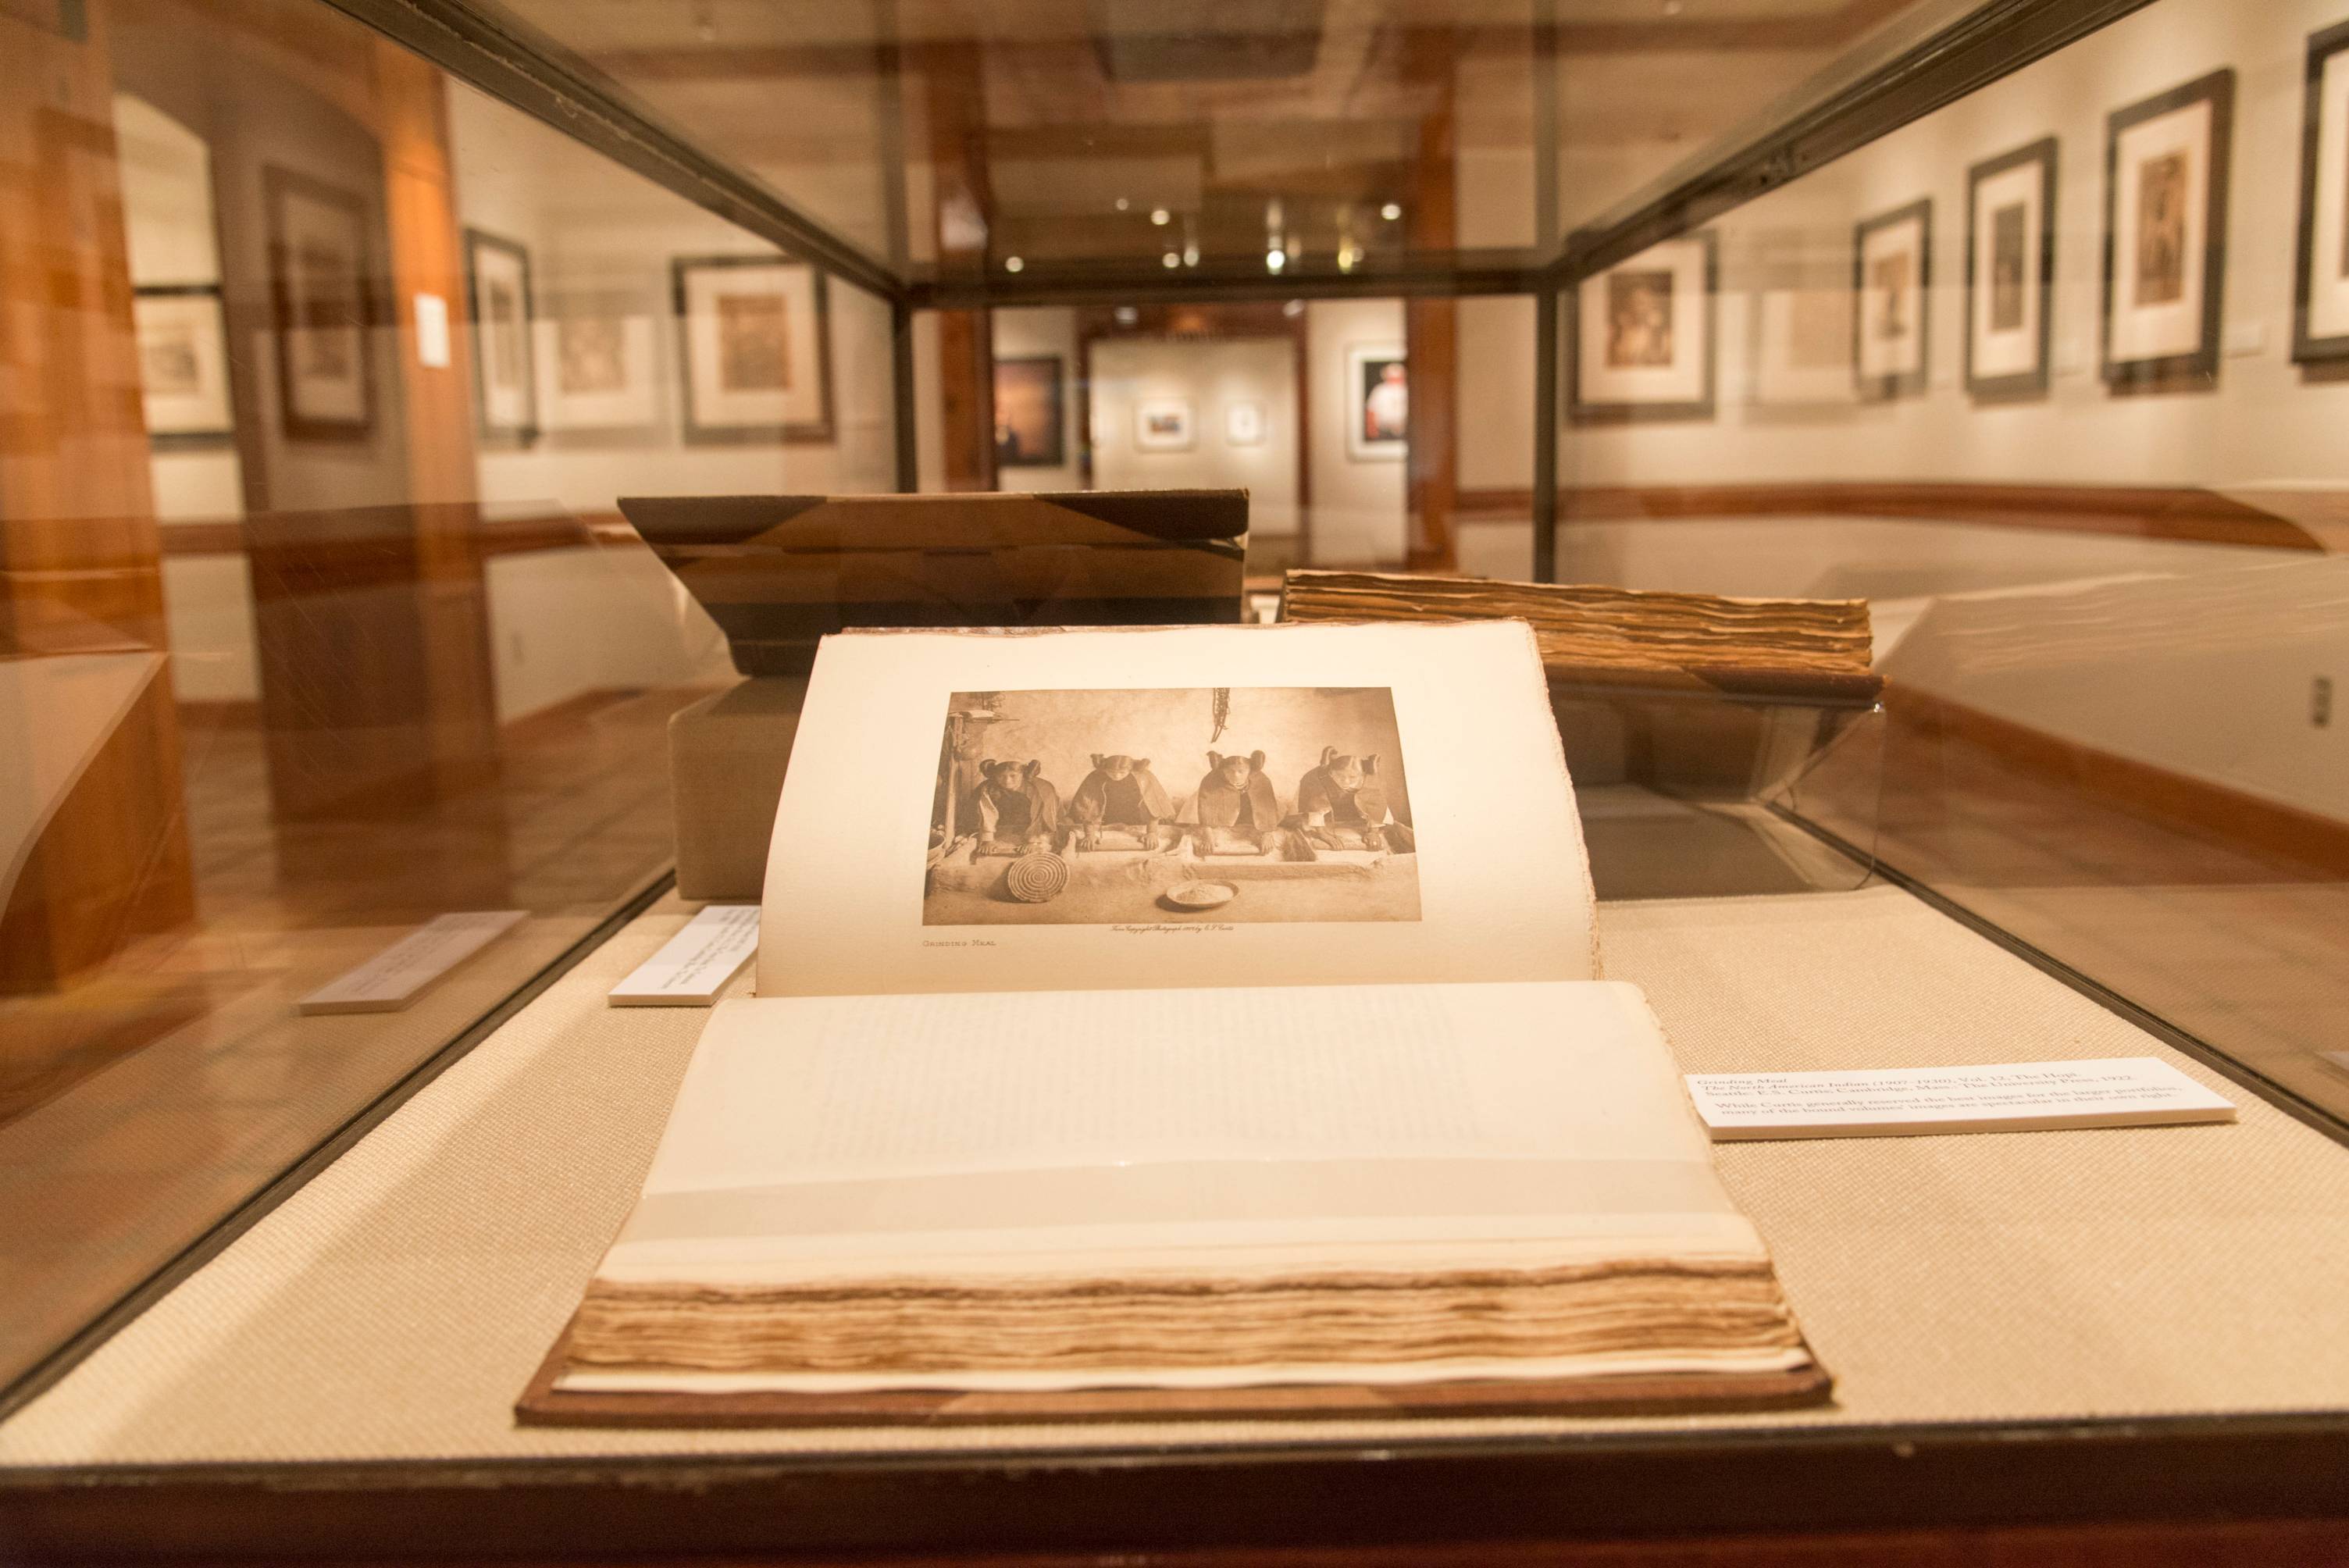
point(693, 966)
point(431, 332)
point(2117, 1091)
point(398, 975)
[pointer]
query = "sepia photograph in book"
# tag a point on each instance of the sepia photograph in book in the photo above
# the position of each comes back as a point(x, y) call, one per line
point(1122, 806)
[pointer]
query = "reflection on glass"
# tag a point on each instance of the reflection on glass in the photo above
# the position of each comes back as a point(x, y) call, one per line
point(337, 690)
point(2006, 374)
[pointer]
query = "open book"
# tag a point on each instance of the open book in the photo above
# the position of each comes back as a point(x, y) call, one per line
point(1190, 1020)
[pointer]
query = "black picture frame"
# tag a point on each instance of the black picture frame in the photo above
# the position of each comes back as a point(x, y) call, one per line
point(809, 432)
point(214, 438)
point(1050, 371)
point(2307, 349)
point(1907, 383)
point(1581, 412)
point(280, 186)
point(525, 431)
point(2033, 383)
point(2198, 368)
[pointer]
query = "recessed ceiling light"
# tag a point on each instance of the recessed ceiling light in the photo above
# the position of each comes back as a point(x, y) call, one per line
point(1012, 263)
point(1191, 255)
point(1295, 307)
point(1160, 216)
point(1127, 316)
point(1122, 203)
point(1275, 260)
point(1390, 212)
point(1170, 260)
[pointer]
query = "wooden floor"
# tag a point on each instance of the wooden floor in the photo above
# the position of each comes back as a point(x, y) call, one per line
point(177, 1082)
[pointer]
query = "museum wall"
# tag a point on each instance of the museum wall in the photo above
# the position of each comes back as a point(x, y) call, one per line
point(1051, 333)
point(1494, 170)
point(1359, 506)
point(167, 200)
point(566, 623)
point(594, 231)
point(2204, 673)
point(2236, 713)
point(166, 207)
point(1210, 377)
point(1629, 120)
point(251, 117)
point(2267, 425)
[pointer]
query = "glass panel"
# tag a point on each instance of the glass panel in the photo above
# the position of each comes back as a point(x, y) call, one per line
point(1651, 92)
point(1348, 440)
point(323, 375)
point(2049, 377)
point(800, 98)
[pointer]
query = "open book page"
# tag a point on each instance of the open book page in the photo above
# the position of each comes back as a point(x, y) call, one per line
point(1209, 806)
point(1453, 1136)
point(1116, 1131)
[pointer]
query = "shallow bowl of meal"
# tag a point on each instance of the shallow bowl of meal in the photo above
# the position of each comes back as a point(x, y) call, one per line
point(1201, 894)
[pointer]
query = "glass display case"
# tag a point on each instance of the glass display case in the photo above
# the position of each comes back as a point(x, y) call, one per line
point(338, 694)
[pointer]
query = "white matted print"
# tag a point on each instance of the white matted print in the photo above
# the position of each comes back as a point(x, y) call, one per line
point(2165, 240)
point(1244, 424)
point(1378, 406)
point(1799, 356)
point(2010, 272)
point(1642, 339)
point(756, 349)
point(597, 362)
point(320, 288)
point(1892, 270)
point(184, 364)
point(505, 393)
point(1164, 425)
point(2321, 319)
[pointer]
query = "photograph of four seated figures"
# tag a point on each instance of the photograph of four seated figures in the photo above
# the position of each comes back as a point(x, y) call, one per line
point(1340, 835)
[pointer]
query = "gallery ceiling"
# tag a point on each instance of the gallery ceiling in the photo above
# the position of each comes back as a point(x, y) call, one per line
point(938, 134)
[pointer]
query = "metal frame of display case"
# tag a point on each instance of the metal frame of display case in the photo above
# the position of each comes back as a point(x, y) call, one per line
point(1634, 1483)
point(1914, 76)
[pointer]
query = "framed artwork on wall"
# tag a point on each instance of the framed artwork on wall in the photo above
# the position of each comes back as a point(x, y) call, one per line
point(1640, 336)
point(505, 390)
point(1244, 424)
point(1799, 325)
point(2011, 273)
point(1164, 425)
point(1028, 423)
point(755, 341)
point(1377, 402)
point(320, 297)
point(598, 361)
point(2166, 163)
point(183, 365)
point(2320, 321)
point(1892, 268)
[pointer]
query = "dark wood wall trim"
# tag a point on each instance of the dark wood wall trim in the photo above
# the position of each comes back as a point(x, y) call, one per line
point(2197, 516)
point(505, 536)
point(2251, 823)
